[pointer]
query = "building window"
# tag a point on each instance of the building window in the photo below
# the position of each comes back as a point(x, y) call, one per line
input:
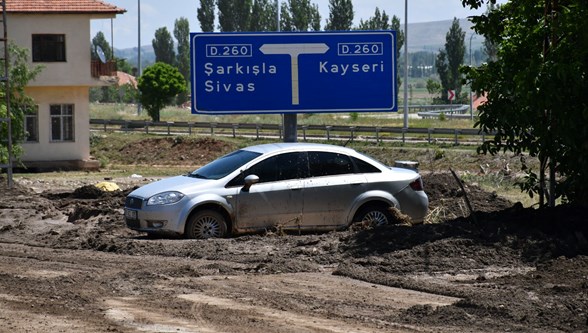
point(48, 48)
point(62, 122)
point(31, 125)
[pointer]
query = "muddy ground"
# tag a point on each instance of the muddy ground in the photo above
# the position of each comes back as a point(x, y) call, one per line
point(68, 264)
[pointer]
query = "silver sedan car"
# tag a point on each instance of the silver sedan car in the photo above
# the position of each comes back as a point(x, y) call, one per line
point(296, 186)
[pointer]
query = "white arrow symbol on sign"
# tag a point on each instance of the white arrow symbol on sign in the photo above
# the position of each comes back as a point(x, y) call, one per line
point(294, 50)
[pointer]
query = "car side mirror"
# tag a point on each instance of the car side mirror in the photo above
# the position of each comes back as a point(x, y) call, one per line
point(249, 181)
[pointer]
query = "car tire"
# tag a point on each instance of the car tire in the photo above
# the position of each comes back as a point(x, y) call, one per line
point(206, 224)
point(374, 215)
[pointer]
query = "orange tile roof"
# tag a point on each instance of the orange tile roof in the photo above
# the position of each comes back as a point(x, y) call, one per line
point(62, 7)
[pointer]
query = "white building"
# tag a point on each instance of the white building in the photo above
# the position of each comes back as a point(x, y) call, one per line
point(57, 35)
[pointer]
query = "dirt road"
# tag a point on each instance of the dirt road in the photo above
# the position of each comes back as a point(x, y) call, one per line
point(68, 264)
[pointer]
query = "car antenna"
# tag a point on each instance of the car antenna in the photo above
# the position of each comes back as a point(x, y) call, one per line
point(347, 142)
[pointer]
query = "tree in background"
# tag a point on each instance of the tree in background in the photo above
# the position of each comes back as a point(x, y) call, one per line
point(300, 15)
point(182, 35)
point(340, 15)
point(449, 60)
point(20, 104)
point(263, 16)
point(234, 15)
point(100, 41)
point(158, 85)
point(206, 15)
point(489, 47)
point(536, 90)
point(163, 46)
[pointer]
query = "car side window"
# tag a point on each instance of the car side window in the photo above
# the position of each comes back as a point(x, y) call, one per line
point(364, 167)
point(276, 168)
point(328, 164)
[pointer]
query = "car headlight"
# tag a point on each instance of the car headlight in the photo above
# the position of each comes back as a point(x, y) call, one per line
point(165, 198)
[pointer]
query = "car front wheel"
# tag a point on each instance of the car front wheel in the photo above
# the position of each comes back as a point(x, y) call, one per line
point(206, 224)
point(374, 215)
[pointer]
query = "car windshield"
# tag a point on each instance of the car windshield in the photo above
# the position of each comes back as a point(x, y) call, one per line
point(223, 166)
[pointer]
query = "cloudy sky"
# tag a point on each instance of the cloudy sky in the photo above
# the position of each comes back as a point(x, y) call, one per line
point(157, 13)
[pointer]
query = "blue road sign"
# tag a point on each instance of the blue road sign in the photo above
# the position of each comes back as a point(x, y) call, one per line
point(301, 72)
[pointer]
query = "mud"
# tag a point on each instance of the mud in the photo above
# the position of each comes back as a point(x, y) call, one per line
point(68, 264)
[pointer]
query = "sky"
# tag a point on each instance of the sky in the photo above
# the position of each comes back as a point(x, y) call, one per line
point(157, 13)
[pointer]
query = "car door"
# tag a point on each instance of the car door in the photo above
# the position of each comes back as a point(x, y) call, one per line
point(330, 189)
point(276, 200)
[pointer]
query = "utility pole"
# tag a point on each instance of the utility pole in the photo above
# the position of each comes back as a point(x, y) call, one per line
point(290, 120)
point(405, 63)
point(139, 50)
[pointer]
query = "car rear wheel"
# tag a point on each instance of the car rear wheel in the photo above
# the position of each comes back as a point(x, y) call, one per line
point(206, 224)
point(374, 215)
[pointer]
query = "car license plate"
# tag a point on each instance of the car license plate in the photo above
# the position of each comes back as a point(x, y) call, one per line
point(131, 214)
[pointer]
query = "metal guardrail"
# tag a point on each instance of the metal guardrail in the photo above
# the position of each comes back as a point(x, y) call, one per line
point(305, 132)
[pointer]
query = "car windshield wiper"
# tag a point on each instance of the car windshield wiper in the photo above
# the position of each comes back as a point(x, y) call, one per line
point(197, 175)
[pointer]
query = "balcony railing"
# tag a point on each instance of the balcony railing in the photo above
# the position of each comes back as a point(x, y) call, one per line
point(100, 68)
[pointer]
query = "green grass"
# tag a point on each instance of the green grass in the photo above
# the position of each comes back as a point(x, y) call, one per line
point(390, 119)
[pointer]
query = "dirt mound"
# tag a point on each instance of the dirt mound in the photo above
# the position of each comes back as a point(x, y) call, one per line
point(176, 151)
point(513, 268)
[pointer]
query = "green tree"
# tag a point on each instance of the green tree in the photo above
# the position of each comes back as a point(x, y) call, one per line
point(158, 85)
point(206, 15)
point(182, 35)
point(490, 48)
point(263, 15)
point(450, 59)
point(340, 15)
point(20, 104)
point(100, 41)
point(234, 15)
point(163, 46)
point(433, 87)
point(536, 90)
point(299, 15)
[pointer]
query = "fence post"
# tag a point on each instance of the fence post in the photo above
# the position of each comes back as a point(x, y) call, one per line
point(429, 131)
point(352, 128)
point(456, 131)
point(304, 132)
point(168, 127)
point(146, 127)
point(235, 130)
point(378, 134)
point(212, 126)
point(403, 135)
point(328, 128)
point(257, 131)
point(105, 122)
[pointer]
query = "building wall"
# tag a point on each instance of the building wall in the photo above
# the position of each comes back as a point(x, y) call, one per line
point(47, 150)
point(76, 70)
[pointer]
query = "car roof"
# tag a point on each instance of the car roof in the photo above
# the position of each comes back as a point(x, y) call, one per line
point(297, 146)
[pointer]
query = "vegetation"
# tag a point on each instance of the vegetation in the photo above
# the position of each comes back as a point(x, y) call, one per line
point(450, 60)
point(163, 46)
point(158, 85)
point(20, 104)
point(536, 91)
point(340, 15)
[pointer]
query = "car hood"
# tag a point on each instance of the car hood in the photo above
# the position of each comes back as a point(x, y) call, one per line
point(182, 184)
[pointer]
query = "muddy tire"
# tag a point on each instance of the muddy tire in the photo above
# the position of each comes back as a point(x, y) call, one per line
point(206, 224)
point(374, 215)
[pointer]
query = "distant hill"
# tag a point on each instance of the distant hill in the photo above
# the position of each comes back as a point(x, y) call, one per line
point(427, 36)
point(430, 36)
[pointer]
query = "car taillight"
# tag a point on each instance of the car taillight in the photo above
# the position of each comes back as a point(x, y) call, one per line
point(417, 184)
